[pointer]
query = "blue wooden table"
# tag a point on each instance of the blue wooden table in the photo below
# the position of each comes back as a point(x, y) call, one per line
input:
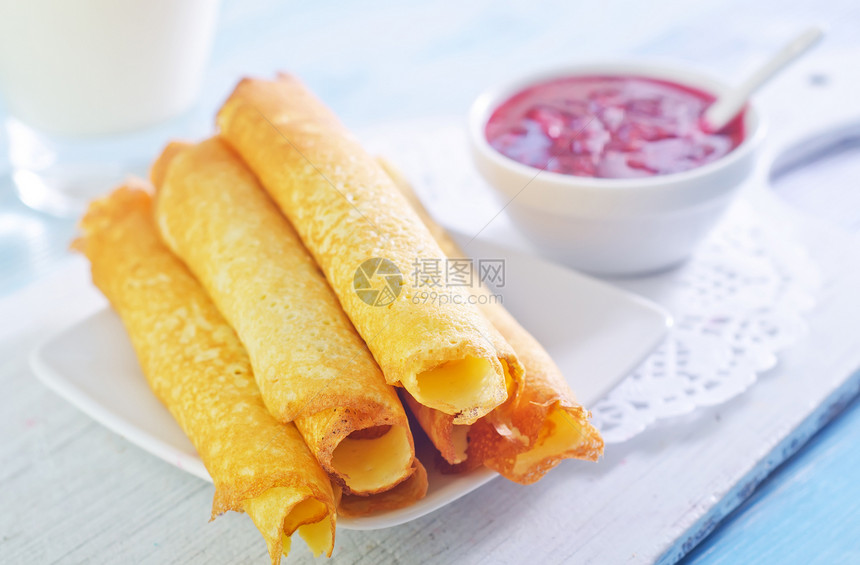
point(807, 511)
point(398, 61)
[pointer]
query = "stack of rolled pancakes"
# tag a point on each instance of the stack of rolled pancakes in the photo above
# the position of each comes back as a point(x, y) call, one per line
point(236, 284)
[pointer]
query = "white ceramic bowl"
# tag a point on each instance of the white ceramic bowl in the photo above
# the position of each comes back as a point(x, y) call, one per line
point(614, 226)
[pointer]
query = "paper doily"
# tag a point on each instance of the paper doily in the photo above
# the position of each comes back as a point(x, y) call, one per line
point(736, 303)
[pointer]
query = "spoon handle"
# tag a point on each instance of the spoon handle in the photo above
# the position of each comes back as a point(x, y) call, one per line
point(728, 105)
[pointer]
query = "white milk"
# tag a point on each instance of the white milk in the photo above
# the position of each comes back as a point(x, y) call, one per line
point(88, 67)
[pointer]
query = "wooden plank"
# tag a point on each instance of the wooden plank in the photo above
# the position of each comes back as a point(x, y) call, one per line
point(806, 512)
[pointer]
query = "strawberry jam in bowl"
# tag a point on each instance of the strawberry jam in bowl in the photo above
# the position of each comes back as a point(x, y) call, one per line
point(609, 167)
point(609, 127)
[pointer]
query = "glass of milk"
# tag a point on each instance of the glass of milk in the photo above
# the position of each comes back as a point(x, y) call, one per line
point(80, 79)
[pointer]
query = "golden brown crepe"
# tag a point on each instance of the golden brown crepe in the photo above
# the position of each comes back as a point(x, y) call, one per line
point(311, 365)
point(541, 423)
point(197, 367)
point(347, 211)
point(405, 494)
point(449, 438)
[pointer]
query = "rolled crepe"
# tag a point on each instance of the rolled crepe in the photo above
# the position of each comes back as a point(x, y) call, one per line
point(405, 494)
point(541, 423)
point(367, 240)
point(197, 367)
point(310, 364)
point(450, 439)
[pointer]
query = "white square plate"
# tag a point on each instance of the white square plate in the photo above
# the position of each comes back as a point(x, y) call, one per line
point(595, 332)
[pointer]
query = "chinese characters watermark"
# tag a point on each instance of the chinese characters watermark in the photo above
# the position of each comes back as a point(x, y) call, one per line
point(437, 280)
point(438, 272)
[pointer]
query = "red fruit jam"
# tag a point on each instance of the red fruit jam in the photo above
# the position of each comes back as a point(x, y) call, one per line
point(610, 127)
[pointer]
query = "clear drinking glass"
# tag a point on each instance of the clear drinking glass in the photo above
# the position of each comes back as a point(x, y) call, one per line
point(82, 80)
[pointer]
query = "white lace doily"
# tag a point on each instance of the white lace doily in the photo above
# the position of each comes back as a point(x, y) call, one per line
point(736, 303)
